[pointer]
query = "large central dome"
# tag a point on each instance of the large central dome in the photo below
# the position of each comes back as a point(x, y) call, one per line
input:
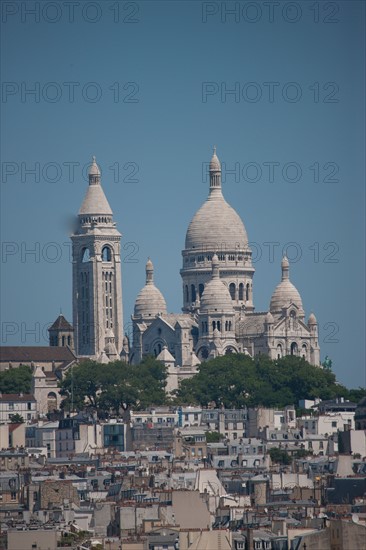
point(216, 226)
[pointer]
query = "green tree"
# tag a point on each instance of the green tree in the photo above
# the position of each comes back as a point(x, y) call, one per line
point(356, 395)
point(16, 419)
point(115, 386)
point(213, 437)
point(302, 453)
point(280, 456)
point(238, 381)
point(16, 380)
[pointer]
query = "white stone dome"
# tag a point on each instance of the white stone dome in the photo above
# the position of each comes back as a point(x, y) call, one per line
point(312, 319)
point(269, 318)
point(216, 295)
point(285, 293)
point(150, 301)
point(110, 349)
point(216, 225)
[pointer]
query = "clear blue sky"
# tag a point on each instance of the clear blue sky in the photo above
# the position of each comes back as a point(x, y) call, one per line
point(147, 83)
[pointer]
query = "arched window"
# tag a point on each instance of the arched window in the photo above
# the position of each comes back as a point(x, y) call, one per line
point(218, 325)
point(157, 349)
point(279, 351)
point(247, 292)
point(226, 326)
point(213, 325)
point(206, 326)
point(51, 401)
point(187, 294)
point(106, 254)
point(241, 291)
point(201, 288)
point(228, 351)
point(232, 290)
point(193, 293)
point(85, 255)
point(294, 348)
point(303, 351)
point(69, 340)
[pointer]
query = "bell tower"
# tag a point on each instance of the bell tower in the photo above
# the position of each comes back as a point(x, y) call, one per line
point(96, 277)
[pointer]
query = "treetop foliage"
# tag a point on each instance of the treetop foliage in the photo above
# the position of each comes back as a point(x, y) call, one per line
point(115, 386)
point(16, 380)
point(234, 381)
point(237, 380)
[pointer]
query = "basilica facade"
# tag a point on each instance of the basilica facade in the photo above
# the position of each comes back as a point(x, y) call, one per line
point(218, 315)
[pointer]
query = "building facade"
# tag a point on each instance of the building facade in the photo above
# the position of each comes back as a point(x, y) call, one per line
point(218, 314)
point(97, 284)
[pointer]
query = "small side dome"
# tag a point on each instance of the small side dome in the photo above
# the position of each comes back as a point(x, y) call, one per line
point(110, 349)
point(269, 318)
point(216, 295)
point(312, 319)
point(285, 293)
point(149, 302)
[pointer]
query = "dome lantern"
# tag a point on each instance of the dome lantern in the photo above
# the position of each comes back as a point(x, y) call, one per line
point(215, 172)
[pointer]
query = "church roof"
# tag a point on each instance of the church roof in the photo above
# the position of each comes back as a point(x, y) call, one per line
point(9, 397)
point(252, 324)
point(216, 225)
point(61, 324)
point(95, 202)
point(37, 354)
